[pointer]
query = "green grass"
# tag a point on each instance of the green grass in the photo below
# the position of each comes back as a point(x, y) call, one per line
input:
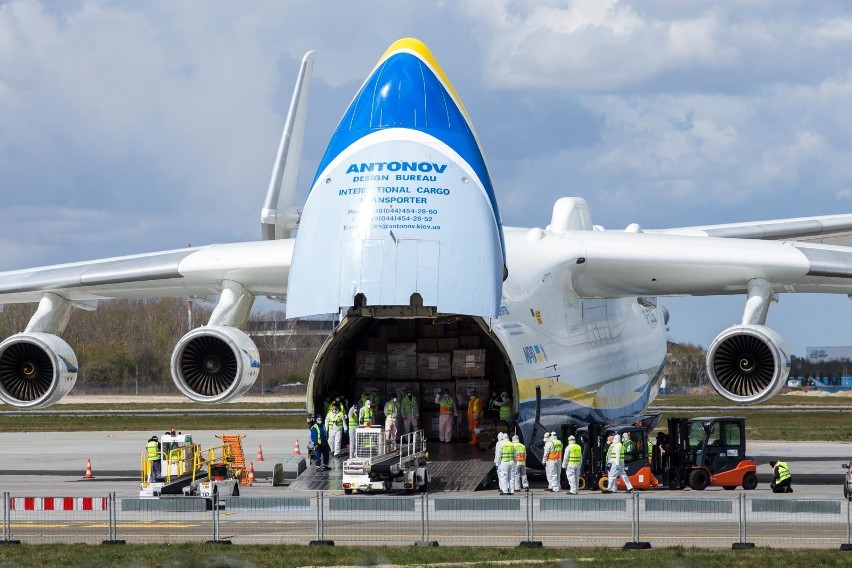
point(41, 423)
point(246, 556)
point(781, 400)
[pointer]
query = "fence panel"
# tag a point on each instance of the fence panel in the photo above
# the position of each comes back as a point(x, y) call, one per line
point(697, 521)
point(268, 520)
point(372, 519)
point(796, 523)
point(480, 521)
point(38, 520)
point(594, 520)
point(167, 519)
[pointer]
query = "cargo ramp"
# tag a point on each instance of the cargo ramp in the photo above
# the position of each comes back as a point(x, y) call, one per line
point(452, 467)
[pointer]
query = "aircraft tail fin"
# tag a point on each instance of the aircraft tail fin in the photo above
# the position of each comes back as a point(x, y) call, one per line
point(280, 214)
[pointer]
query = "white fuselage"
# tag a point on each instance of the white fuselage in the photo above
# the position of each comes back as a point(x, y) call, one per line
point(594, 359)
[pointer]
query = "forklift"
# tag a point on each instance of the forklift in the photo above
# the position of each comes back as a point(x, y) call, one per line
point(704, 452)
point(637, 460)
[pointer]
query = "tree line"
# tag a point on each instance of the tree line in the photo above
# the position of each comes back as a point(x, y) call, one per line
point(125, 342)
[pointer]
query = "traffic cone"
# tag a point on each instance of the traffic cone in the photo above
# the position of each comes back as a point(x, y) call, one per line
point(259, 453)
point(296, 450)
point(88, 469)
point(251, 473)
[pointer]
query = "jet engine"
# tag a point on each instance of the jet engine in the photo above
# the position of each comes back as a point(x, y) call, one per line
point(36, 370)
point(215, 364)
point(748, 363)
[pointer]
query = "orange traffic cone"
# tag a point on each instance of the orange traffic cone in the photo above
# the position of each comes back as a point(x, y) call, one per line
point(88, 469)
point(251, 473)
point(259, 453)
point(296, 450)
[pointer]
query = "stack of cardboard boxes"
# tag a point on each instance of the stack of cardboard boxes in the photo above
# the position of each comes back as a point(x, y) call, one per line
point(425, 357)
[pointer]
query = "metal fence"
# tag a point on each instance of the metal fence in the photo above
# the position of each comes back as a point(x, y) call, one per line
point(531, 519)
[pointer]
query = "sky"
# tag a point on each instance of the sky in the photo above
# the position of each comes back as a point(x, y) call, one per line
point(128, 127)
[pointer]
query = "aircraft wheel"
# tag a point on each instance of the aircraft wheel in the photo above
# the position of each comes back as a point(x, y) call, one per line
point(749, 481)
point(699, 479)
point(581, 482)
point(603, 483)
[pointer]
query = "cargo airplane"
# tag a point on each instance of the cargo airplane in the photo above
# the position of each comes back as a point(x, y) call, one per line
point(401, 236)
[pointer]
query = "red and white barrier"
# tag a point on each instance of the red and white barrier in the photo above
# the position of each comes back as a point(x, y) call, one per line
point(59, 503)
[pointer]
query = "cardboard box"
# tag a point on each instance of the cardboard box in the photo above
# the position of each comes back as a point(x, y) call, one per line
point(380, 387)
point(434, 366)
point(469, 363)
point(370, 365)
point(406, 330)
point(469, 342)
point(432, 330)
point(402, 361)
point(427, 345)
point(448, 344)
point(463, 388)
point(377, 344)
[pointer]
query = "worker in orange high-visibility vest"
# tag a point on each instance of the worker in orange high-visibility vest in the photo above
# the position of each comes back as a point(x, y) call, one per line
point(474, 415)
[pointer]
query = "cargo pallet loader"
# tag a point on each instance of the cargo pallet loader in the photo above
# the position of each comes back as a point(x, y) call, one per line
point(382, 465)
point(187, 470)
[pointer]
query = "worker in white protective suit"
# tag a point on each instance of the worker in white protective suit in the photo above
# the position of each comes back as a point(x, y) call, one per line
point(571, 464)
point(615, 461)
point(520, 480)
point(504, 460)
point(335, 425)
point(551, 462)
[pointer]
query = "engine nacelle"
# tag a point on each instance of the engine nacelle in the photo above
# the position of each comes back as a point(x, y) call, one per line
point(215, 364)
point(748, 363)
point(36, 370)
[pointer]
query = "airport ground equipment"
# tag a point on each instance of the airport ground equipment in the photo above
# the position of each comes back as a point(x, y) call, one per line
point(637, 461)
point(703, 452)
point(187, 469)
point(847, 482)
point(382, 465)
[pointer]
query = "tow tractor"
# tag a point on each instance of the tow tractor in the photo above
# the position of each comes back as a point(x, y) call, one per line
point(186, 469)
point(382, 465)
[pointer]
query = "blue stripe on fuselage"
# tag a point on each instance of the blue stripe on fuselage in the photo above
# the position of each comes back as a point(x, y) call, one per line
point(403, 92)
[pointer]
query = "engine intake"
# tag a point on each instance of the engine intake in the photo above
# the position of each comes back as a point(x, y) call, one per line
point(215, 364)
point(748, 363)
point(36, 370)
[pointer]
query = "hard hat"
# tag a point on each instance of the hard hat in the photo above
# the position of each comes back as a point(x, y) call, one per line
point(625, 436)
point(367, 403)
point(546, 435)
point(500, 435)
point(571, 438)
point(337, 398)
point(394, 399)
point(515, 438)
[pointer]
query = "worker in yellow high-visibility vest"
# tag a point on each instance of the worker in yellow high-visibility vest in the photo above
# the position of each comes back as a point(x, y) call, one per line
point(504, 460)
point(571, 463)
point(520, 477)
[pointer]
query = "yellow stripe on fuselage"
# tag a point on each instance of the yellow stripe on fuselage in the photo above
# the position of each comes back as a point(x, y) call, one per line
point(418, 48)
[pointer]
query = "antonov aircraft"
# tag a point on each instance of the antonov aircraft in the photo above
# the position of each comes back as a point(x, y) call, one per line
point(401, 232)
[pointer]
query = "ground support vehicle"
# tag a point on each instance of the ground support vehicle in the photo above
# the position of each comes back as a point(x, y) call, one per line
point(703, 452)
point(188, 470)
point(381, 465)
point(637, 460)
point(847, 482)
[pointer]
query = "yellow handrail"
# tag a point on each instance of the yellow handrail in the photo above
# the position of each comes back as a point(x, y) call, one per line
point(188, 459)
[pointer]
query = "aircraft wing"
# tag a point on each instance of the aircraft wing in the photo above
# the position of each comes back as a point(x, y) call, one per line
point(262, 268)
point(620, 264)
point(828, 229)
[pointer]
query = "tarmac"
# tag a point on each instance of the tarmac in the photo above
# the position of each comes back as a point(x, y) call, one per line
point(54, 463)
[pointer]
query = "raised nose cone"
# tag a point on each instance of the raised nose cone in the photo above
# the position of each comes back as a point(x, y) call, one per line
point(402, 203)
point(408, 89)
